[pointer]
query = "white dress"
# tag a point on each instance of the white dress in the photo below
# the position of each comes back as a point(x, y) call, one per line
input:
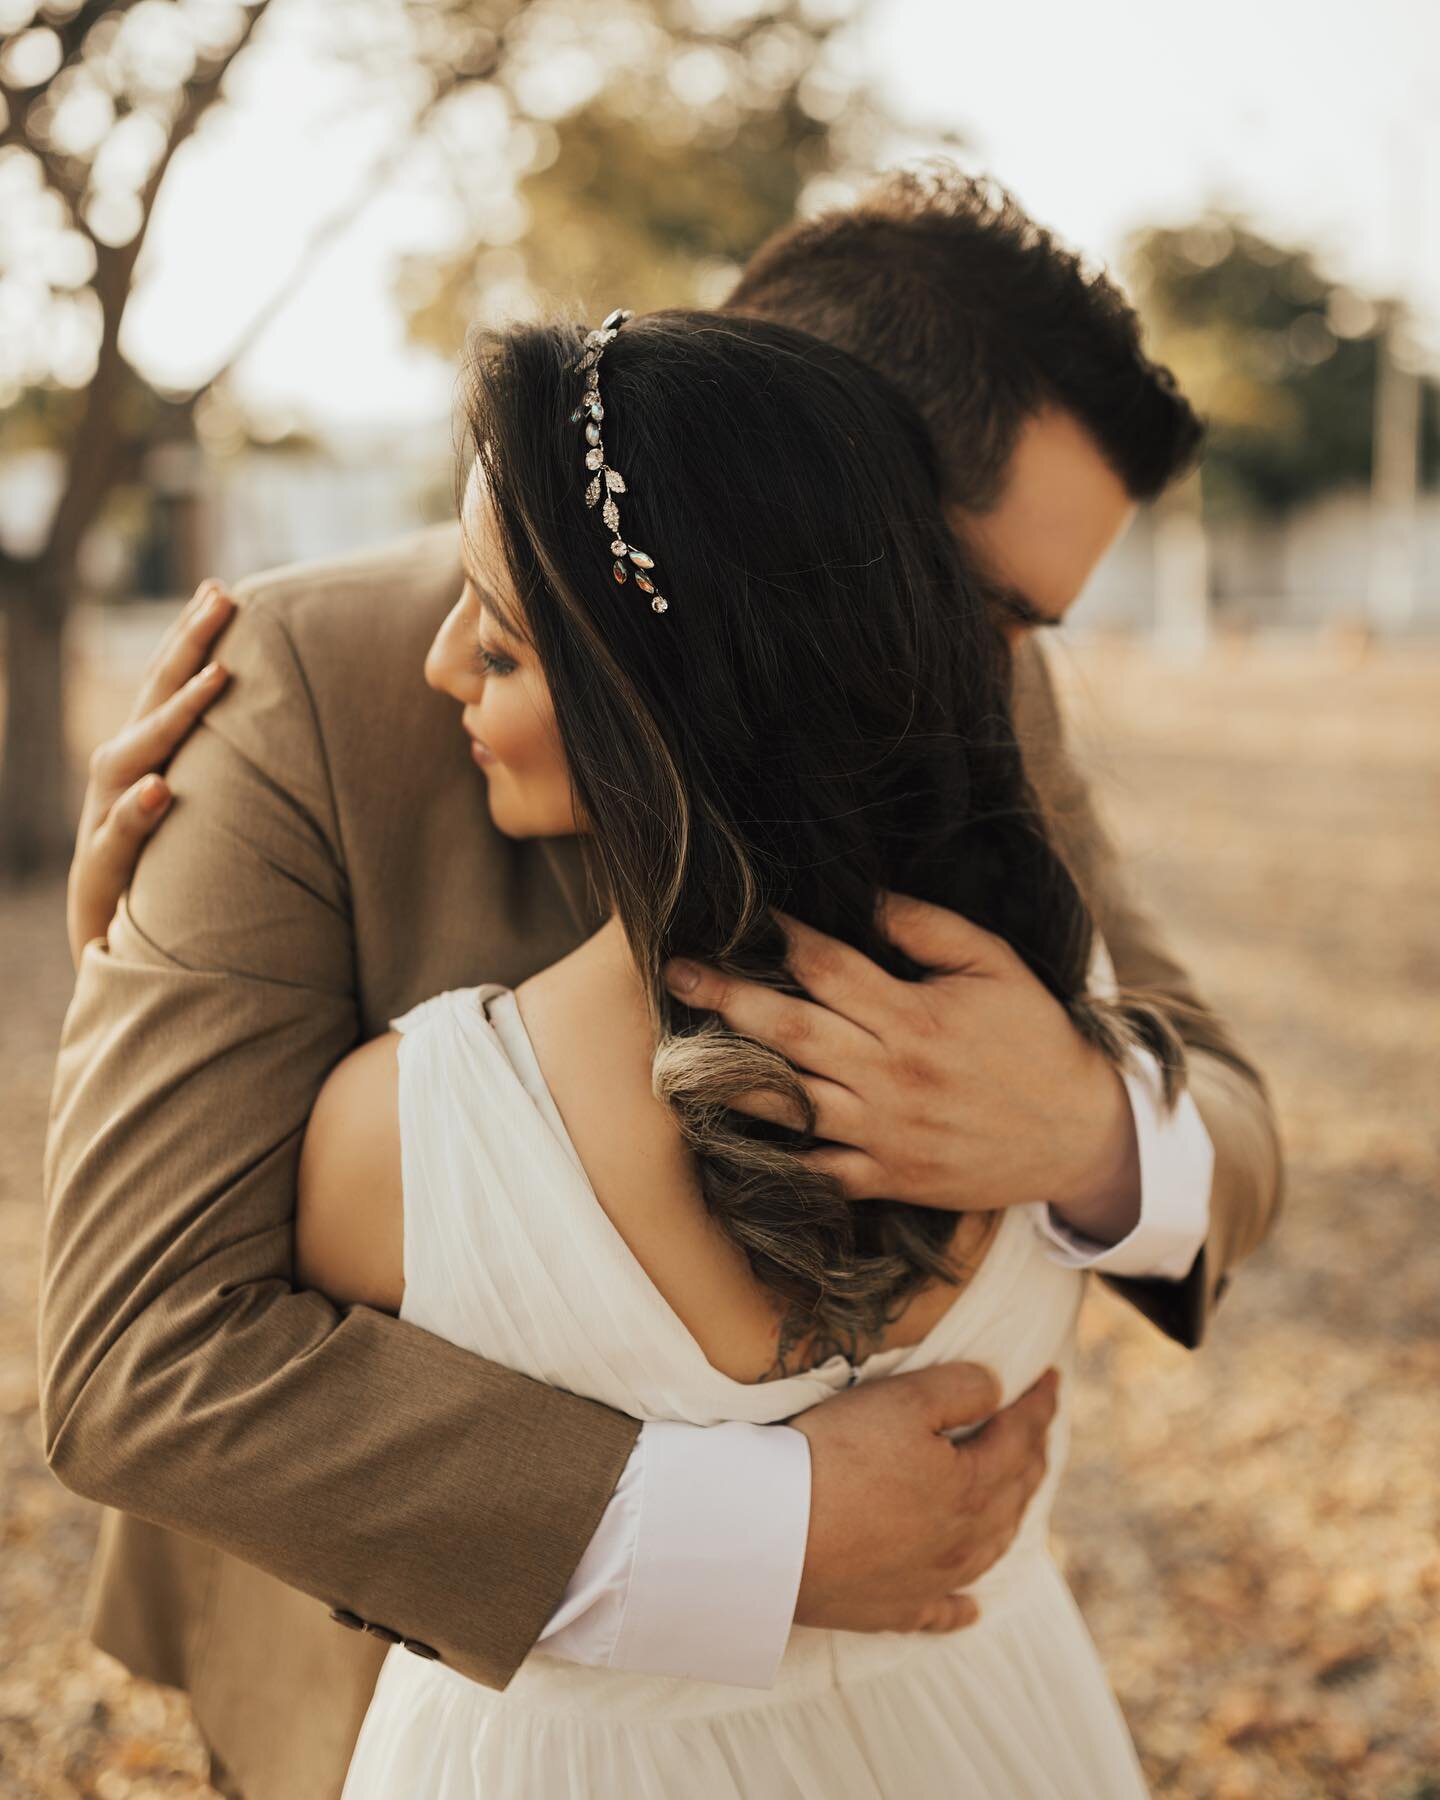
point(508, 1253)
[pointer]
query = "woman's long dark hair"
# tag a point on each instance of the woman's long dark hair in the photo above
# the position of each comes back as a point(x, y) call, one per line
point(822, 714)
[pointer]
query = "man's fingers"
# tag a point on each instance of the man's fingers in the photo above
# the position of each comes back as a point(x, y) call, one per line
point(809, 1036)
point(838, 975)
point(935, 936)
point(955, 1394)
point(952, 1613)
point(838, 1115)
point(184, 648)
point(858, 1175)
point(765, 1103)
point(1017, 1433)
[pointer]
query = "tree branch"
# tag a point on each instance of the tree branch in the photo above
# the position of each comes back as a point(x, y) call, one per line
point(99, 434)
point(449, 80)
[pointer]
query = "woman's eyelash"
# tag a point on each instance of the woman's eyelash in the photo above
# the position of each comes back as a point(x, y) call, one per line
point(487, 662)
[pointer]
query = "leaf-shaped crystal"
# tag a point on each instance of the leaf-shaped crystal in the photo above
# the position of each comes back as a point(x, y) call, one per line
point(610, 513)
point(615, 481)
point(592, 493)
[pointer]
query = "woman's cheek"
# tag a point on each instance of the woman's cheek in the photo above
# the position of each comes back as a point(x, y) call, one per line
point(508, 723)
point(520, 729)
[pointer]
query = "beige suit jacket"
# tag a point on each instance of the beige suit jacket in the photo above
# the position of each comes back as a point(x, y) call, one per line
point(276, 1460)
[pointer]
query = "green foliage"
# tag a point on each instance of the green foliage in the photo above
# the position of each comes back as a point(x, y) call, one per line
point(1281, 358)
point(654, 188)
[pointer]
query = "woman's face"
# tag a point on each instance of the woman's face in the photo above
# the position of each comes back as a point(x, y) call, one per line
point(495, 676)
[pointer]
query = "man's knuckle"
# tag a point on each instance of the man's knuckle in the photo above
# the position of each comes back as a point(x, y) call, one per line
point(923, 1021)
point(914, 1071)
point(819, 961)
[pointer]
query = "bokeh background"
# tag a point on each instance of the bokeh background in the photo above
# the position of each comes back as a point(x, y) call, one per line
point(239, 246)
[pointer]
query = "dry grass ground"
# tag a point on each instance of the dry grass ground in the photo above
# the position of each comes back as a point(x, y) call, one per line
point(1252, 1532)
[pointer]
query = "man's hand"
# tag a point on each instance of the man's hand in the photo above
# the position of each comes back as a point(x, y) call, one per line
point(969, 1090)
point(901, 1518)
point(126, 797)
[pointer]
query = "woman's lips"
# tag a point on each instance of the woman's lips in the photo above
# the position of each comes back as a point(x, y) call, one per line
point(482, 753)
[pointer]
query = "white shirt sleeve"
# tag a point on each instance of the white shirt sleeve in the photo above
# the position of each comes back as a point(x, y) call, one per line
point(695, 1565)
point(1177, 1164)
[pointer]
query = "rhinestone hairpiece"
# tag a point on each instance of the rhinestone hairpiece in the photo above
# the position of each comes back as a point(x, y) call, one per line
point(604, 479)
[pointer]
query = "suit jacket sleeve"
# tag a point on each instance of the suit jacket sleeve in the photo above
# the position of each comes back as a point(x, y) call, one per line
point(1228, 1089)
point(184, 1378)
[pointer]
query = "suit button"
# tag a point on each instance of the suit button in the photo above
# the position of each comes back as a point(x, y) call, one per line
point(416, 1648)
point(351, 1621)
point(384, 1633)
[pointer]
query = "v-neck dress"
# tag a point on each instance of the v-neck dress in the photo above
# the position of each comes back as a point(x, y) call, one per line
point(508, 1253)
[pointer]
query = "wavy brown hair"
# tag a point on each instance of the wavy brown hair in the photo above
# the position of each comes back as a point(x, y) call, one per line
point(821, 715)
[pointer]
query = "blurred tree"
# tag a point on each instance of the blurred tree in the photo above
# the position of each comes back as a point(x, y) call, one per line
point(97, 99)
point(675, 143)
point(652, 143)
point(1281, 358)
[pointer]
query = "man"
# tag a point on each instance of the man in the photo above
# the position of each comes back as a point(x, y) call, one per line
point(330, 862)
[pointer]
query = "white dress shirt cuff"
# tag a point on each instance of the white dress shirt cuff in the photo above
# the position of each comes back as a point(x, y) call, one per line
point(695, 1566)
point(1177, 1165)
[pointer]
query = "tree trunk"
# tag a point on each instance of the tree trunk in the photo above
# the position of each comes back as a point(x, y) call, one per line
point(36, 829)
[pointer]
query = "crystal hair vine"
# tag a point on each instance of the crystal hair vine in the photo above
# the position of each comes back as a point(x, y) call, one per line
point(604, 479)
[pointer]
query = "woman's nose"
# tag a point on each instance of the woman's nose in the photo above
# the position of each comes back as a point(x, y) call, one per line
point(449, 668)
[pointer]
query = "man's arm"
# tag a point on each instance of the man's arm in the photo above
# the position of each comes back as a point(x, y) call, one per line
point(1229, 1092)
point(183, 1377)
point(399, 1478)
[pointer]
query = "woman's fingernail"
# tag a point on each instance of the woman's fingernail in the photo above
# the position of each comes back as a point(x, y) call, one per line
point(211, 673)
point(681, 975)
point(154, 794)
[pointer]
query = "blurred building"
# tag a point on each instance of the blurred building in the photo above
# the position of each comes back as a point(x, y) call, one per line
point(1310, 569)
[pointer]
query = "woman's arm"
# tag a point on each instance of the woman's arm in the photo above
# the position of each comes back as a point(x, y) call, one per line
point(349, 1220)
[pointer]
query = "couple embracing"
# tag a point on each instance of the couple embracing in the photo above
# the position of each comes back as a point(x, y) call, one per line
point(570, 1189)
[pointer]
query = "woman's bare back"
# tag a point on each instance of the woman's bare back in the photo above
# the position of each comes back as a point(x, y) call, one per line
point(593, 1039)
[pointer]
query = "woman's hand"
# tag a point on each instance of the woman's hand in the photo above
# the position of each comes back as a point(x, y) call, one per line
point(126, 797)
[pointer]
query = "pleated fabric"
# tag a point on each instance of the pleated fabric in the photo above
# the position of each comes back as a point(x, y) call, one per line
point(508, 1253)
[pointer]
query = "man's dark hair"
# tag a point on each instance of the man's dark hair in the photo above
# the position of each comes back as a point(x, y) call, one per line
point(941, 282)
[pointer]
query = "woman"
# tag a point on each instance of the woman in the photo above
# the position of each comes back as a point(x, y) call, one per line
point(789, 700)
